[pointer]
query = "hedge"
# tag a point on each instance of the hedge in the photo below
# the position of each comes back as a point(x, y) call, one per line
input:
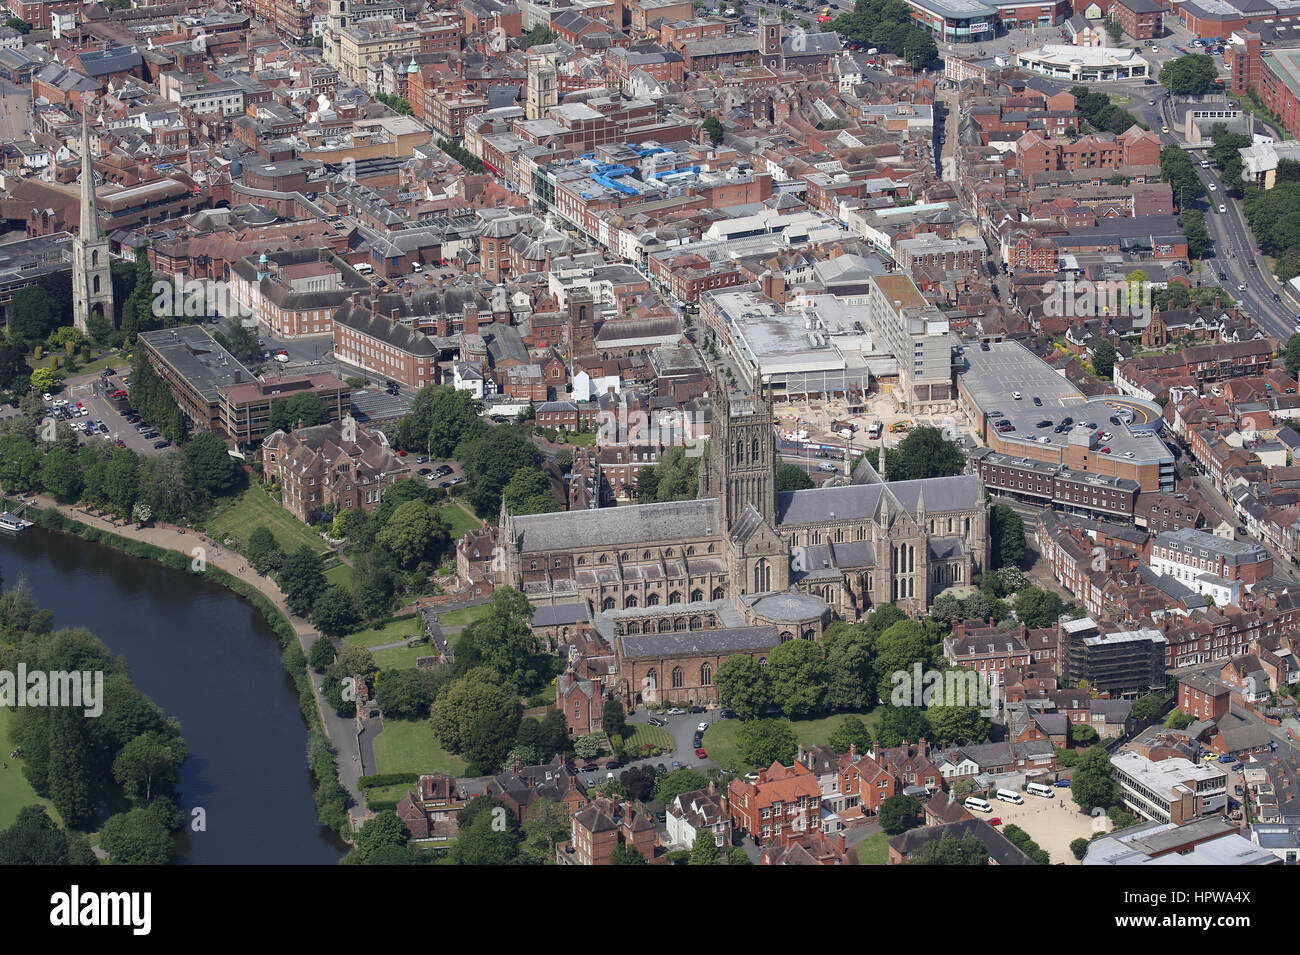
point(387, 779)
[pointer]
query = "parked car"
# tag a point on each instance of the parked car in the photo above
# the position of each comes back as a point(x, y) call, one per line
point(159, 445)
point(701, 753)
point(676, 711)
point(1062, 783)
point(696, 709)
point(702, 727)
point(995, 821)
point(121, 443)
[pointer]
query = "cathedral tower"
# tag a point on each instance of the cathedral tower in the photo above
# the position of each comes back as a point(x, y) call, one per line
point(92, 281)
point(742, 458)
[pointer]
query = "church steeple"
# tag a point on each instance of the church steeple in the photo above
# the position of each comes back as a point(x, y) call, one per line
point(92, 281)
point(89, 209)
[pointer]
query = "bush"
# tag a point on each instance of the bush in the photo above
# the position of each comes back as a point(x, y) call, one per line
point(387, 779)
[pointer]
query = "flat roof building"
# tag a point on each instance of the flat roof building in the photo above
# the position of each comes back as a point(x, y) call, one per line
point(1169, 790)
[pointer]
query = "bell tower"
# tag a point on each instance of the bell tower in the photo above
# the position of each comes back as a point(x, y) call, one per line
point(742, 458)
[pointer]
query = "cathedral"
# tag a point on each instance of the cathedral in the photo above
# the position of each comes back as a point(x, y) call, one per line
point(676, 588)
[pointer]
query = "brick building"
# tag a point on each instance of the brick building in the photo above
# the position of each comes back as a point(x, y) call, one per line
point(329, 468)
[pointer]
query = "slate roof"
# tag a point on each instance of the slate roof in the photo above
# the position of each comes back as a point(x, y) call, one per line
point(616, 526)
point(860, 501)
point(692, 642)
point(560, 614)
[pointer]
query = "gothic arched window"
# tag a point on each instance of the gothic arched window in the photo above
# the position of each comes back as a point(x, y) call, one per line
point(677, 678)
point(706, 675)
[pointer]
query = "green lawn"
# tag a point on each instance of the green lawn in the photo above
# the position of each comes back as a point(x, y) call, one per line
point(873, 850)
point(409, 746)
point(389, 793)
point(340, 573)
point(459, 521)
point(388, 631)
point(644, 734)
point(462, 617)
point(15, 791)
point(256, 507)
point(720, 739)
point(399, 658)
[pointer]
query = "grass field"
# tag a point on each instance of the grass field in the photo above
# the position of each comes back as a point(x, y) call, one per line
point(873, 850)
point(462, 617)
point(388, 631)
point(459, 521)
point(15, 791)
point(720, 740)
point(256, 507)
point(409, 746)
point(644, 734)
point(399, 658)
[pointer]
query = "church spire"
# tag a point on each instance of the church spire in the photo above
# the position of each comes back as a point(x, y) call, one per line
point(89, 210)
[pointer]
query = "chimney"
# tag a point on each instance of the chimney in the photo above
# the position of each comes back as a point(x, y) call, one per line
point(395, 315)
point(853, 751)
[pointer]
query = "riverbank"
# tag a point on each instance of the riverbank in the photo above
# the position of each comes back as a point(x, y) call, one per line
point(184, 549)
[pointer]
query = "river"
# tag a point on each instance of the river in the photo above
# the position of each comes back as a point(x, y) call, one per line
point(209, 660)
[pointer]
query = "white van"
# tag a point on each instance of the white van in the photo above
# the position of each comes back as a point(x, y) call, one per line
point(977, 804)
point(826, 466)
point(365, 268)
point(1011, 796)
point(1038, 789)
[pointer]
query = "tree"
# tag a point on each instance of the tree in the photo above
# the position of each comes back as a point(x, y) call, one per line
point(925, 453)
point(764, 742)
point(19, 24)
point(70, 767)
point(382, 831)
point(589, 745)
point(137, 837)
point(713, 127)
point(1189, 75)
point(1179, 720)
point(529, 492)
point(34, 839)
point(490, 460)
point(851, 732)
point(898, 723)
point(402, 694)
point(1177, 169)
point(899, 813)
point(32, 314)
point(1103, 358)
point(1079, 848)
point(483, 842)
point(624, 854)
point(1091, 785)
point(798, 678)
point(321, 654)
point(1291, 356)
point(958, 724)
point(150, 763)
point(705, 850)
point(949, 850)
point(673, 784)
point(335, 611)
point(209, 468)
point(1037, 608)
point(415, 532)
point(1195, 231)
point(1007, 531)
point(503, 641)
point(612, 718)
point(902, 645)
point(1083, 734)
point(848, 670)
point(545, 826)
point(304, 410)
point(477, 717)
point(302, 580)
point(42, 379)
point(61, 474)
point(13, 368)
point(540, 35)
point(263, 550)
point(791, 477)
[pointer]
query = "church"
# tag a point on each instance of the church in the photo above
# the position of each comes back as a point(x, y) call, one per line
point(676, 588)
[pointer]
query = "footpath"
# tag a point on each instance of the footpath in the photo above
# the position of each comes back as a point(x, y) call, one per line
point(341, 730)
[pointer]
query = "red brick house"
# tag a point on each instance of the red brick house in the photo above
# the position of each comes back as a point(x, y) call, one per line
point(781, 801)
